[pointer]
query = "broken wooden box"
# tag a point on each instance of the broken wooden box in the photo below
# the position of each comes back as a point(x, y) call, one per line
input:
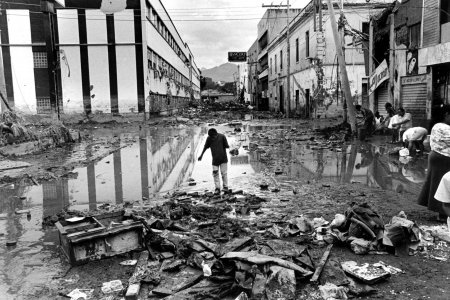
point(83, 239)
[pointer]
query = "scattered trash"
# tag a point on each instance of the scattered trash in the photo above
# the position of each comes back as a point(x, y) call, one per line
point(338, 221)
point(387, 268)
point(330, 291)
point(11, 243)
point(129, 262)
point(360, 246)
point(366, 273)
point(281, 283)
point(206, 269)
point(112, 287)
point(242, 296)
point(79, 294)
point(259, 259)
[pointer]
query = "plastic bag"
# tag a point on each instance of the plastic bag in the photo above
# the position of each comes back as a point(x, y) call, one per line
point(404, 152)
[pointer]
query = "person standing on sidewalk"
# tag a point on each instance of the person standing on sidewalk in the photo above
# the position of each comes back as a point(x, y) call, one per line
point(218, 144)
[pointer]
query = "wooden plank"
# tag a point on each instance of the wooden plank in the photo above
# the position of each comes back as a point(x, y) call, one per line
point(134, 283)
point(10, 165)
point(322, 262)
point(107, 233)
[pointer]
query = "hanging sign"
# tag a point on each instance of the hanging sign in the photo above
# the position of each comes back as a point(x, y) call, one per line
point(379, 76)
point(237, 56)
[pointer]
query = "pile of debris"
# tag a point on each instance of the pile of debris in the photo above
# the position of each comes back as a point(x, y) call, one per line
point(14, 130)
point(193, 249)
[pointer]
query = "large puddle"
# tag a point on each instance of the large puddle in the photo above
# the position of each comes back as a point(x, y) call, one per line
point(158, 162)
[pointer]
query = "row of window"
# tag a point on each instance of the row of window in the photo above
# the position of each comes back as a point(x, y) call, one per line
point(297, 54)
point(156, 62)
point(154, 18)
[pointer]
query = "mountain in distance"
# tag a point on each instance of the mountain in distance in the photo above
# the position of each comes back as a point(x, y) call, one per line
point(223, 72)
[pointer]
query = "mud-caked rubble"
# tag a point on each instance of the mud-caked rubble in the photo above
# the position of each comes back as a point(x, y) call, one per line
point(196, 248)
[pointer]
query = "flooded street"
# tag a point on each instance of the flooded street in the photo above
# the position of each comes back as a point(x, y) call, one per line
point(159, 161)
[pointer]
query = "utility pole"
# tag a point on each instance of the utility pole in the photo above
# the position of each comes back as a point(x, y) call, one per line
point(391, 61)
point(48, 10)
point(3, 100)
point(288, 89)
point(288, 54)
point(342, 35)
point(344, 75)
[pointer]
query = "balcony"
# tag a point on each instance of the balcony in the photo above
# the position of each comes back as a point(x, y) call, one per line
point(264, 73)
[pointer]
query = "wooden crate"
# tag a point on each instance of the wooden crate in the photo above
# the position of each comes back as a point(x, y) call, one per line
point(99, 236)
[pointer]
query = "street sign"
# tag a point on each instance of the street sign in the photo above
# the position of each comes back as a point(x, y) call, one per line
point(237, 56)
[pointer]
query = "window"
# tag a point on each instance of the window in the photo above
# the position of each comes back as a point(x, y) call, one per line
point(414, 36)
point(270, 67)
point(40, 60)
point(296, 50)
point(445, 11)
point(275, 63)
point(307, 43)
point(281, 60)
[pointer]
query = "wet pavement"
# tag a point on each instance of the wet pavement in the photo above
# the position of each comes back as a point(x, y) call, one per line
point(160, 161)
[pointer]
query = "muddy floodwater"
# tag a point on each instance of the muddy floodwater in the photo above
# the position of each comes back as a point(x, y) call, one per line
point(160, 161)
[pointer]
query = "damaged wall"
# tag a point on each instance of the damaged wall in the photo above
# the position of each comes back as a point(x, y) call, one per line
point(311, 63)
point(103, 65)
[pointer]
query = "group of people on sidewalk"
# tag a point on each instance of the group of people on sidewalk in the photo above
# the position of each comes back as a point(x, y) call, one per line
point(435, 194)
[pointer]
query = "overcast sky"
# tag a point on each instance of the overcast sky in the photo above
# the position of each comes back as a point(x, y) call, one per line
point(201, 24)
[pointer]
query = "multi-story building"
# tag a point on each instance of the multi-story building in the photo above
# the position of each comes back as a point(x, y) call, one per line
point(313, 60)
point(398, 28)
point(252, 55)
point(434, 53)
point(131, 61)
point(269, 27)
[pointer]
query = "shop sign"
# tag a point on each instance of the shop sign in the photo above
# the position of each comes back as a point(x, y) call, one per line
point(237, 56)
point(406, 80)
point(379, 76)
point(438, 54)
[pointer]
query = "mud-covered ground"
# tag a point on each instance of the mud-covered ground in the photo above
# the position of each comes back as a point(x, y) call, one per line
point(308, 172)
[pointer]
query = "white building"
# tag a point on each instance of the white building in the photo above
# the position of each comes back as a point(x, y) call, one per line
point(313, 61)
point(130, 61)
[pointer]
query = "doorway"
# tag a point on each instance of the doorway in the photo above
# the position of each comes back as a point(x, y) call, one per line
point(281, 99)
point(307, 104)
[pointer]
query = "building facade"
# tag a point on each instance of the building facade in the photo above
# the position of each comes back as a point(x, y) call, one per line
point(269, 27)
point(130, 61)
point(252, 83)
point(398, 28)
point(434, 54)
point(314, 75)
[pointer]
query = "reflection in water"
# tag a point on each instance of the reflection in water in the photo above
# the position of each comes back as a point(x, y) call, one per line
point(360, 162)
point(158, 161)
point(118, 176)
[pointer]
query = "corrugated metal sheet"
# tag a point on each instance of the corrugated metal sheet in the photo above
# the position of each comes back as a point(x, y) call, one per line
point(382, 97)
point(414, 100)
point(431, 23)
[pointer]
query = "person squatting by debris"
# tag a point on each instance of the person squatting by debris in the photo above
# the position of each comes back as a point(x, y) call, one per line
point(218, 144)
point(413, 139)
point(369, 119)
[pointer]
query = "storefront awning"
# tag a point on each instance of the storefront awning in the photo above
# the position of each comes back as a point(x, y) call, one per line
point(264, 73)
